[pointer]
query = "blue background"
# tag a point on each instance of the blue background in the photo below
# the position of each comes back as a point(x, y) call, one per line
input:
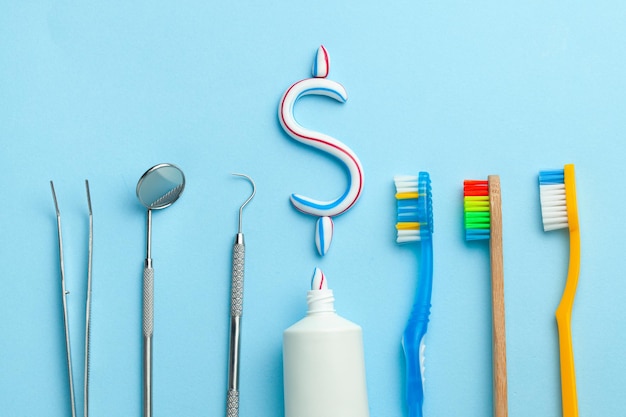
point(462, 89)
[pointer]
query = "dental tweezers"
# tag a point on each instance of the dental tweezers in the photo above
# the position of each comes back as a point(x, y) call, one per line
point(64, 294)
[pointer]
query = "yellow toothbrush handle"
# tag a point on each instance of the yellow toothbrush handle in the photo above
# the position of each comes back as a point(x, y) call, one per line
point(564, 310)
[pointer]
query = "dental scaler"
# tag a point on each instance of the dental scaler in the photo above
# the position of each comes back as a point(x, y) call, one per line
point(236, 310)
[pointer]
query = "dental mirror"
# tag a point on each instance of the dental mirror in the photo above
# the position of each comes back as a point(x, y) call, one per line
point(158, 187)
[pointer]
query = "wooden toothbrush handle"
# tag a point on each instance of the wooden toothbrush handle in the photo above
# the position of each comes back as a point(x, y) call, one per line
point(500, 402)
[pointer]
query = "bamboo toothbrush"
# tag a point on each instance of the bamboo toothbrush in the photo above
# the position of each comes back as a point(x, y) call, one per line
point(483, 220)
point(415, 224)
point(557, 191)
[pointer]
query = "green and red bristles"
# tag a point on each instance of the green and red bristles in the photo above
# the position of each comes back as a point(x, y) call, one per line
point(476, 208)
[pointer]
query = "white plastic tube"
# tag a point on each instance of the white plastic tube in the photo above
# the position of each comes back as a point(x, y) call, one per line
point(323, 363)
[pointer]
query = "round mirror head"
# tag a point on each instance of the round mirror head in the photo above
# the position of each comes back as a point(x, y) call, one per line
point(160, 186)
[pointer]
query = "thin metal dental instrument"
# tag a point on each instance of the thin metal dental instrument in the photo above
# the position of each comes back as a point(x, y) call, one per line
point(158, 188)
point(88, 306)
point(236, 310)
point(65, 293)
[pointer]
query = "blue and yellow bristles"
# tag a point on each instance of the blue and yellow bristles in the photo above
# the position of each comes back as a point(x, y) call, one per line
point(414, 207)
point(415, 224)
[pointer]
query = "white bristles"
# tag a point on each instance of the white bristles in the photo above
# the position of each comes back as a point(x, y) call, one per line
point(553, 206)
point(407, 240)
point(400, 178)
point(408, 188)
point(405, 236)
point(405, 183)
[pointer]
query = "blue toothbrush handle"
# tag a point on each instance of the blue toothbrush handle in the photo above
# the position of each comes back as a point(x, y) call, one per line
point(413, 337)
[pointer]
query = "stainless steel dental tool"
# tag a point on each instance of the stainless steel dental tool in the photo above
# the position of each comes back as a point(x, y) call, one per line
point(158, 188)
point(64, 294)
point(236, 310)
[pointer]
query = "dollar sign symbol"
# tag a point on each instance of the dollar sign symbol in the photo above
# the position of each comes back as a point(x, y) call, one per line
point(325, 210)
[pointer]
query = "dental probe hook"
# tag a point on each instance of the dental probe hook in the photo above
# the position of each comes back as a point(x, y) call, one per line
point(249, 198)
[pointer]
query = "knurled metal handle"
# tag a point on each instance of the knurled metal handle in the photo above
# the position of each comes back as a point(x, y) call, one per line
point(236, 292)
point(232, 404)
point(148, 301)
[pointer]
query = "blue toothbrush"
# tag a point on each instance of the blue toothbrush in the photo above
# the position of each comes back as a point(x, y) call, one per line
point(415, 224)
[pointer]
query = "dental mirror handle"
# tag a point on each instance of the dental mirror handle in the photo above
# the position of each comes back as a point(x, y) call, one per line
point(148, 327)
point(148, 321)
point(236, 310)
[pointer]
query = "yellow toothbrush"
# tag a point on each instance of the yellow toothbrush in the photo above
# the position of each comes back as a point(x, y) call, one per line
point(557, 191)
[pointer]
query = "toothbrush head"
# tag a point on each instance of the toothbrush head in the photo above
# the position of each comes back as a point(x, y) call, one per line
point(557, 194)
point(476, 209)
point(414, 208)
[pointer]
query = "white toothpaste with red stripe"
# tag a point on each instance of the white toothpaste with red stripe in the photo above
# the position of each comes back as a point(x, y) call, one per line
point(318, 282)
point(320, 85)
